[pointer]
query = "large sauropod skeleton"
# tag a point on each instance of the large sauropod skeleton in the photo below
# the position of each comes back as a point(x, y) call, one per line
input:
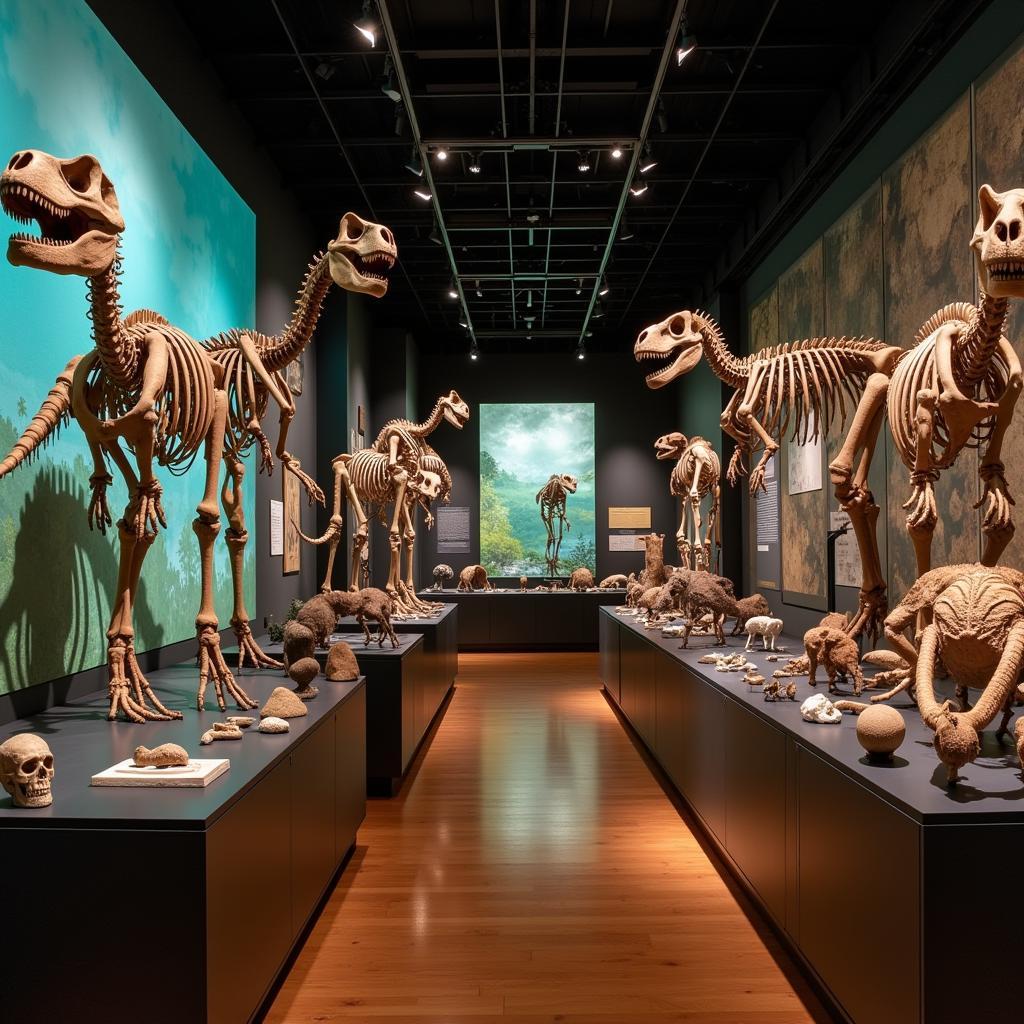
point(694, 476)
point(802, 383)
point(552, 498)
point(957, 387)
point(358, 260)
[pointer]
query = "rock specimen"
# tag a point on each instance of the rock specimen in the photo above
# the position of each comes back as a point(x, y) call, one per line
point(274, 724)
point(242, 721)
point(774, 690)
point(880, 729)
point(221, 731)
point(283, 703)
point(167, 755)
point(818, 708)
point(26, 770)
point(342, 666)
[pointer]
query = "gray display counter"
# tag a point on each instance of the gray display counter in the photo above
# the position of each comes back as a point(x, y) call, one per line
point(404, 694)
point(532, 620)
point(176, 904)
point(873, 874)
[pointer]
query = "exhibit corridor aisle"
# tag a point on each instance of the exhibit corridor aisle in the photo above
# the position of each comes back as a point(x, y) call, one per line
point(531, 867)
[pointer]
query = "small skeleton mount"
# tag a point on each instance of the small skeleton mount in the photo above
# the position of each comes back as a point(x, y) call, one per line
point(158, 392)
point(800, 383)
point(694, 476)
point(957, 387)
point(978, 631)
point(552, 498)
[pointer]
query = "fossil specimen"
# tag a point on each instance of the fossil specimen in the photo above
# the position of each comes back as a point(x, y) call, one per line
point(221, 731)
point(614, 582)
point(695, 476)
point(283, 703)
point(26, 770)
point(165, 756)
point(474, 577)
point(581, 579)
point(273, 724)
point(837, 652)
point(818, 708)
point(552, 499)
point(442, 574)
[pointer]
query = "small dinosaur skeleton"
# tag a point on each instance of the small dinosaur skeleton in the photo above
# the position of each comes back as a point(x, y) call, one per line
point(802, 383)
point(146, 384)
point(694, 476)
point(400, 469)
point(552, 498)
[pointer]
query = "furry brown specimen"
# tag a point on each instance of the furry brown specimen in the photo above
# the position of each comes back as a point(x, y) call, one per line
point(655, 574)
point(657, 601)
point(581, 579)
point(368, 603)
point(707, 594)
point(837, 652)
point(747, 608)
point(474, 577)
point(313, 624)
point(614, 582)
point(634, 591)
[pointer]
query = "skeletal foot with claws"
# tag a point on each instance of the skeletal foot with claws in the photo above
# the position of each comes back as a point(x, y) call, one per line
point(249, 650)
point(99, 511)
point(213, 666)
point(129, 689)
point(312, 488)
point(149, 511)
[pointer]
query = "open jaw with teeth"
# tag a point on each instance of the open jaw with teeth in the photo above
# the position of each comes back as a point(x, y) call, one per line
point(375, 266)
point(58, 225)
point(667, 360)
point(1006, 270)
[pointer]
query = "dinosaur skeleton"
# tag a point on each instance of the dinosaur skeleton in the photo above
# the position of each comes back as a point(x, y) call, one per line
point(694, 476)
point(418, 476)
point(804, 383)
point(146, 384)
point(552, 498)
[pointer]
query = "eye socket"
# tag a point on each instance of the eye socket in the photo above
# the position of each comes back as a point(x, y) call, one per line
point(79, 174)
point(676, 326)
point(48, 762)
point(353, 228)
point(30, 766)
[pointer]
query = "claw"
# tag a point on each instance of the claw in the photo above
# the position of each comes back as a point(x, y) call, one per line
point(213, 666)
point(99, 512)
point(129, 689)
point(249, 649)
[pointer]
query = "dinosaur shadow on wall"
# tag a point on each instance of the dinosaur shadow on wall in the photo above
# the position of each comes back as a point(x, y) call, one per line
point(63, 576)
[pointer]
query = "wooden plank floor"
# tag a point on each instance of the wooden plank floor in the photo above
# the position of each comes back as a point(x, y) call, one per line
point(533, 869)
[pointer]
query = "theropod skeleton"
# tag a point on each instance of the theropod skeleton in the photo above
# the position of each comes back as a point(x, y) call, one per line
point(804, 383)
point(694, 476)
point(146, 385)
point(552, 498)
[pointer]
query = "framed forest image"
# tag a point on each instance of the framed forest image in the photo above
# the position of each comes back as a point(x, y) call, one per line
point(291, 560)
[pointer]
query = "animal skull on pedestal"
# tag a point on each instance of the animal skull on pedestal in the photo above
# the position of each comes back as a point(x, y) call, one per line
point(26, 769)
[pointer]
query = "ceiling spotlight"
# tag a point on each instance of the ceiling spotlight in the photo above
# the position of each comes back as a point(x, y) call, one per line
point(617, 152)
point(463, 322)
point(598, 311)
point(425, 196)
point(648, 167)
point(325, 70)
point(604, 286)
point(474, 352)
point(479, 291)
point(366, 26)
point(388, 85)
point(453, 291)
point(442, 154)
point(415, 166)
point(687, 43)
point(474, 163)
point(583, 162)
point(529, 299)
point(435, 235)
point(579, 285)
point(638, 189)
point(581, 352)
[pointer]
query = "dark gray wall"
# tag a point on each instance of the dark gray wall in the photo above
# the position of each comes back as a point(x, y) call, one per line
point(166, 53)
point(628, 419)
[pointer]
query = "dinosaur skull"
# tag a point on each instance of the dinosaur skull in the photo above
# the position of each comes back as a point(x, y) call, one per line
point(75, 206)
point(456, 411)
point(675, 342)
point(428, 485)
point(568, 481)
point(362, 255)
point(670, 446)
point(26, 768)
point(998, 242)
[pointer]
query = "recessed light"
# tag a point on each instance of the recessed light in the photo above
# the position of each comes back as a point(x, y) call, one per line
point(425, 196)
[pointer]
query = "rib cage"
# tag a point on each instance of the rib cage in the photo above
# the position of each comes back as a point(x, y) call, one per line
point(184, 408)
point(247, 398)
point(683, 471)
point(916, 371)
point(831, 372)
point(368, 471)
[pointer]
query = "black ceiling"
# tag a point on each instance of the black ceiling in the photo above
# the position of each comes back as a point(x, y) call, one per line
point(743, 134)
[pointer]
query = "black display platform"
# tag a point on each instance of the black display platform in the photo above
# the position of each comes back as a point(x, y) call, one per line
point(873, 874)
point(184, 902)
point(404, 694)
point(531, 620)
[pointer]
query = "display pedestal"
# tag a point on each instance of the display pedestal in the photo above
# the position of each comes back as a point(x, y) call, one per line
point(864, 869)
point(176, 904)
point(531, 620)
point(403, 697)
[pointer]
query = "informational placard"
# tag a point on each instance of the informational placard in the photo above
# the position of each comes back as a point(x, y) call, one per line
point(768, 509)
point(804, 462)
point(453, 529)
point(291, 558)
point(627, 517)
point(276, 527)
point(848, 569)
point(626, 542)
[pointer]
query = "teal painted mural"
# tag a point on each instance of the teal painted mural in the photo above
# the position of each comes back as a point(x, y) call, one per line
point(521, 446)
point(188, 251)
